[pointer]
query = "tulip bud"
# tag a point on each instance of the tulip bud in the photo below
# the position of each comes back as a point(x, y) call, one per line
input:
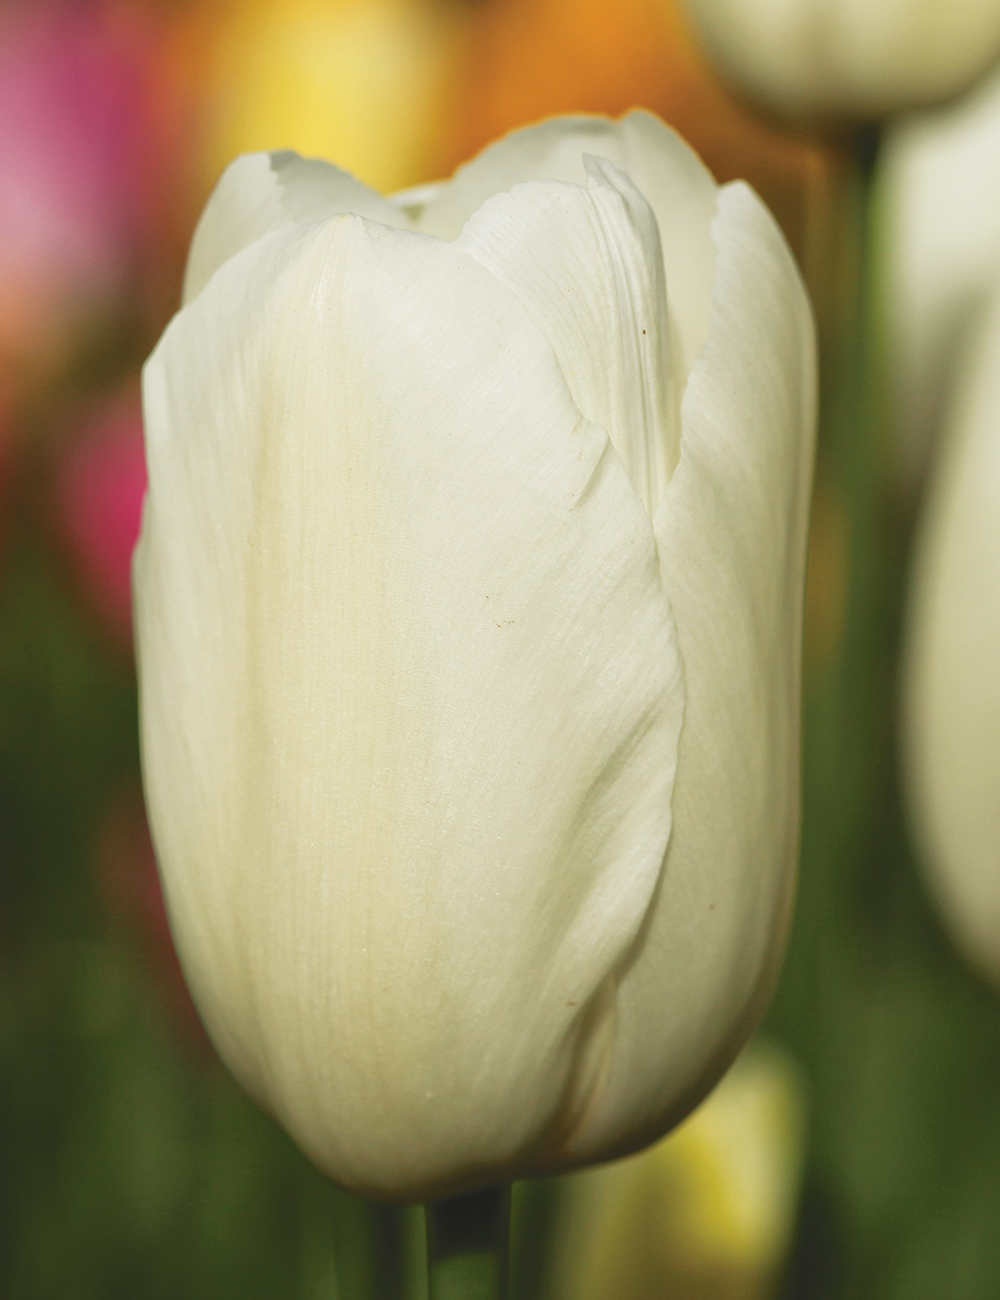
point(952, 682)
point(854, 59)
point(468, 605)
point(940, 193)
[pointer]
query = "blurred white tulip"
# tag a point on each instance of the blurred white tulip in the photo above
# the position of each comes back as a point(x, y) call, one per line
point(953, 667)
point(468, 615)
point(849, 59)
point(940, 199)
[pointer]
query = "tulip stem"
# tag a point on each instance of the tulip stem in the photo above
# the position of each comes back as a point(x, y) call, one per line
point(829, 975)
point(468, 1245)
point(388, 1234)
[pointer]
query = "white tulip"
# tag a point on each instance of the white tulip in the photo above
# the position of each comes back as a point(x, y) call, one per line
point(468, 612)
point(953, 670)
point(855, 59)
point(940, 194)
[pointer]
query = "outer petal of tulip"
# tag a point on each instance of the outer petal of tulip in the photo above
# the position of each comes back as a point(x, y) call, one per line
point(411, 702)
point(952, 681)
point(940, 195)
point(856, 59)
point(421, 509)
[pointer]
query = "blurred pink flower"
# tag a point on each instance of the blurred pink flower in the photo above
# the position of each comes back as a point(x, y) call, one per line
point(73, 159)
point(99, 486)
point(5, 468)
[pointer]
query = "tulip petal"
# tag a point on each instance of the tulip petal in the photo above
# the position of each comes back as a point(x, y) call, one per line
point(586, 264)
point(414, 200)
point(666, 171)
point(731, 531)
point(259, 193)
point(411, 700)
point(952, 681)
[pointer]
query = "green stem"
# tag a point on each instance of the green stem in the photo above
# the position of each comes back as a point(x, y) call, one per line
point(849, 665)
point(827, 980)
point(468, 1246)
point(852, 772)
point(853, 444)
point(389, 1252)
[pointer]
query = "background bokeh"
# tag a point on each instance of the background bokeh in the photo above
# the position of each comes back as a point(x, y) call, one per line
point(130, 1165)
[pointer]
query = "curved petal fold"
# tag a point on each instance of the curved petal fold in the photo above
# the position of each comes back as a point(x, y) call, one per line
point(586, 263)
point(666, 171)
point(731, 534)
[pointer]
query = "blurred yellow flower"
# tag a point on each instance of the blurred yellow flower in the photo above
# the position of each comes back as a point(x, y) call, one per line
point(362, 81)
point(708, 1211)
